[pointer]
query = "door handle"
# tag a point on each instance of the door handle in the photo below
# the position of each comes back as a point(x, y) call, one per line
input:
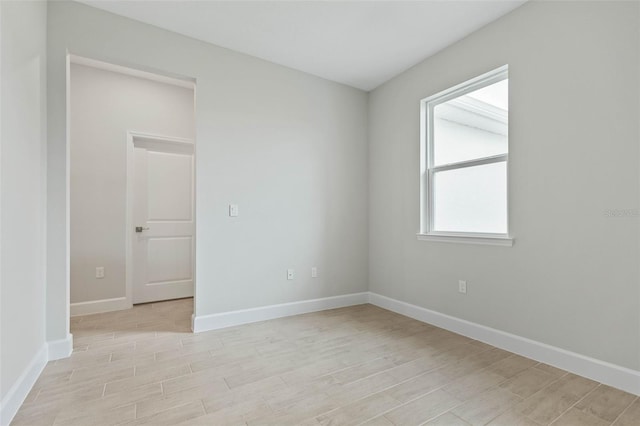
point(141, 228)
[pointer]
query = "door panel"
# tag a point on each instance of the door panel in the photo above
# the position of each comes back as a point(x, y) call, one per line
point(169, 181)
point(169, 259)
point(163, 253)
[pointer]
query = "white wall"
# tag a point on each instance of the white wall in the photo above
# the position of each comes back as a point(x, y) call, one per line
point(289, 148)
point(23, 136)
point(104, 106)
point(572, 278)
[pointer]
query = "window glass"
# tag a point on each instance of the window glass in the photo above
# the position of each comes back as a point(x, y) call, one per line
point(471, 199)
point(471, 126)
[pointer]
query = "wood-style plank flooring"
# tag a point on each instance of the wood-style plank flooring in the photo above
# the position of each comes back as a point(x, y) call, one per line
point(350, 366)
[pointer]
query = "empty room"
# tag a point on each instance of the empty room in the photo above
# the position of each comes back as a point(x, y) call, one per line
point(320, 212)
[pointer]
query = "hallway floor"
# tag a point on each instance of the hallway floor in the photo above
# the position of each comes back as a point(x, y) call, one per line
point(349, 366)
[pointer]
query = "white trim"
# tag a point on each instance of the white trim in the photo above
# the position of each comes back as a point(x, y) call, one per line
point(58, 349)
point(152, 137)
point(99, 306)
point(178, 143)
point(610, 374)
point(13, 400)
point(471, 163)
point(490, 77)
point(263, 313)
point(67, 203)
point(467, 239)
point(18, 393)
point(154, 76)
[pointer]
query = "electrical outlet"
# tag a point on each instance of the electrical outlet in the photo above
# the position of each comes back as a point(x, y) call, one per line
point(314, 272)
point(462, 287)
point(100, 272)
point(290, 274)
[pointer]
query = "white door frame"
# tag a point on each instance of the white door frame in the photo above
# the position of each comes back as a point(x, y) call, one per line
point(132, 137)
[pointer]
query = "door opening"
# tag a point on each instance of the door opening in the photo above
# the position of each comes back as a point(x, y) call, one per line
point(132, 164)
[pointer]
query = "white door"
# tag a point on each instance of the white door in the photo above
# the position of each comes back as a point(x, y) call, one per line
point(163, 220)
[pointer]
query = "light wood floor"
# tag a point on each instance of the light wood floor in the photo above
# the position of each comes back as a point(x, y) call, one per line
point(357, 365)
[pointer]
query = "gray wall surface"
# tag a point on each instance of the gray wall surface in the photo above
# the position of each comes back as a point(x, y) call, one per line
point(23, 136)
point(104, 106)
point(572, 279)
point(289, 148)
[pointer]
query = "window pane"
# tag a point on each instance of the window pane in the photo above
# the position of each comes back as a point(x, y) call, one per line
point(471, 199)
point(471, 126)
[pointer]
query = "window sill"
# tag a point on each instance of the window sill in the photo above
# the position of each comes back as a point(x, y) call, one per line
point(467, 239)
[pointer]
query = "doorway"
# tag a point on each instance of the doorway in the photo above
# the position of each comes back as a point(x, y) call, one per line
point(132, 187)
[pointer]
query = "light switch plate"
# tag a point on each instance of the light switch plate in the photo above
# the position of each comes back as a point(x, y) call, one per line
point(233, 210)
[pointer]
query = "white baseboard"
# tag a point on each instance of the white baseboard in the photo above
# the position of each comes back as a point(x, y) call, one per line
point(245, 316)
point(610, 374)
point(59, 349)
point(15, 397)
point(50, 351)
point(100, 306)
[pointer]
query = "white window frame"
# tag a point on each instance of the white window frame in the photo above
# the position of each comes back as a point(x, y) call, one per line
point(427, 169)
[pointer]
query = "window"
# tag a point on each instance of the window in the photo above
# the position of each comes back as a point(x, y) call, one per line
point(464, 158)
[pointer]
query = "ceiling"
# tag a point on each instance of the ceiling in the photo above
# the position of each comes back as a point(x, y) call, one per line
point(358, 43)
